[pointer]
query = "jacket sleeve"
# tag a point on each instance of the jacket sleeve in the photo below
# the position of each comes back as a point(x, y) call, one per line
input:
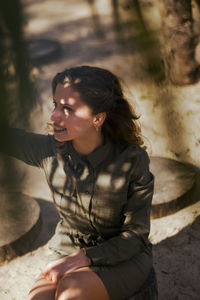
point(31, 148)
point(133, 237)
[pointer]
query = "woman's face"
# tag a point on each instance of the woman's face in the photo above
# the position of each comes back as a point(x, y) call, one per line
point(72, 118)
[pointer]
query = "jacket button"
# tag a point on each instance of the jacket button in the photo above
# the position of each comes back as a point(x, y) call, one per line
point(87, 193)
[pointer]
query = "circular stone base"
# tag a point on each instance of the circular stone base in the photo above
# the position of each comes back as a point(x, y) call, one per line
point(175, 186)
point(20, 222)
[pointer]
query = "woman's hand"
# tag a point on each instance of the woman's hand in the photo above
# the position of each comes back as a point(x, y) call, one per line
point(56, 269)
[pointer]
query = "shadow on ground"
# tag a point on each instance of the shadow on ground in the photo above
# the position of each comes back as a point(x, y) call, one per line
point(84, 45)
point(49, 219)
point(176, 261)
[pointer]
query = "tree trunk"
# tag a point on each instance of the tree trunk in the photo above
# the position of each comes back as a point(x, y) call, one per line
point(179, 42)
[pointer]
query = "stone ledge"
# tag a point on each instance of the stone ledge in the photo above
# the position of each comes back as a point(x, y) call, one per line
point(176, 186)
point(20, 223)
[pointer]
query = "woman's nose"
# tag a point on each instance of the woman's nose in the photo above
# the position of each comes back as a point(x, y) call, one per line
point(55, 116)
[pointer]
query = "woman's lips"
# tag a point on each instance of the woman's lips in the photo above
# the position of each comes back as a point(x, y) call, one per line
point(59, 129)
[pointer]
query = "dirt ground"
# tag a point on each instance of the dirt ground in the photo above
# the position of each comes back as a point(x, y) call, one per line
point(175, 237)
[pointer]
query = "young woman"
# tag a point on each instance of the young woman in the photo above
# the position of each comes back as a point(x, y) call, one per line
point(99, 176)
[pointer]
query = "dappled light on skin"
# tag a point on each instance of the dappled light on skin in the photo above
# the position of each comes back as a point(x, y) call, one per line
point(62, 123)
point(62, 101)
point(72, 118)
point(71, 101)
point(66, 112)
point(83, 112)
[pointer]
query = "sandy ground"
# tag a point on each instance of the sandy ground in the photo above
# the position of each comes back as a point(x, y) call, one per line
point(175, 237)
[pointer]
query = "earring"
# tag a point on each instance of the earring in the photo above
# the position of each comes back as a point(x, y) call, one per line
point(97, 129)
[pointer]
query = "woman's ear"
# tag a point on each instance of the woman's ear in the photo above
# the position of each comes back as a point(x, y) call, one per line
point(99, 119)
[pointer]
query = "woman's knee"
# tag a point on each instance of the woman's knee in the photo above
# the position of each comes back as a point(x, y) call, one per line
point(70, 288)
point(42, 290)
point(82, 284)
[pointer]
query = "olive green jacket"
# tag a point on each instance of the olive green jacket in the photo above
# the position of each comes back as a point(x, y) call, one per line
point(103, 199)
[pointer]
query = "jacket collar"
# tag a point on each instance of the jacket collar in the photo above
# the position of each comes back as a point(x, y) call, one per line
point(94, 158)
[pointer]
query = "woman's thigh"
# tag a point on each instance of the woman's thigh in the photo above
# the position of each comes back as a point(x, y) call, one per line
point(42, 290)
point(82, 284)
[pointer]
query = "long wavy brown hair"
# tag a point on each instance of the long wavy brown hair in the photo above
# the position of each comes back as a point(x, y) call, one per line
point(102, 91)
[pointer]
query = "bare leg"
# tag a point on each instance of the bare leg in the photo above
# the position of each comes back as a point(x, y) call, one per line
point(42, 290)
point(82, 284)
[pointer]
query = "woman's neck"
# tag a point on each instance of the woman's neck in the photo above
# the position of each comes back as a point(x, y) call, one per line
point(86, 146)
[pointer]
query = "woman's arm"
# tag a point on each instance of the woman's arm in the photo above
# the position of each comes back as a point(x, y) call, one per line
point(133, 237)
point(29, 147)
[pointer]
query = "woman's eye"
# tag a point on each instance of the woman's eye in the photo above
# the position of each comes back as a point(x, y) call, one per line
point(67, 108)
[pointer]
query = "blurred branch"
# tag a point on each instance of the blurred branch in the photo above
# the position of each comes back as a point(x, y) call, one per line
point(169, 55)
point(17, 90)
point(179, 41)
point(134, 33)
point(17, 86)
point(96, 19)
point(198, 3)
